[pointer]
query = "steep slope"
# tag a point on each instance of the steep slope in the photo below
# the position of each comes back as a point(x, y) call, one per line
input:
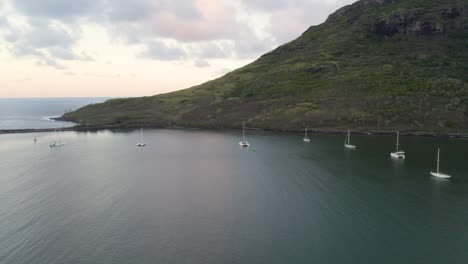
point(375, 64)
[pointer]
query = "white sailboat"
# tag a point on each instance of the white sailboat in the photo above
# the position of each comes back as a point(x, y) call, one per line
point(243, 142)
point(347, 143)
point(306, 139)
point(439, 174)
point(398, 154)
point(56, 143)
point(141, 144)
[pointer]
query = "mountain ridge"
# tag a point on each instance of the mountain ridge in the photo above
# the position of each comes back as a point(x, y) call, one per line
point(374, 64)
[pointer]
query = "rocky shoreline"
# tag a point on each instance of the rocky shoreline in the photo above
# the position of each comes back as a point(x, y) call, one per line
point(312, 131)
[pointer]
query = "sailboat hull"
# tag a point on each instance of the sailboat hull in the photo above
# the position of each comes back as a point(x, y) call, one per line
point(56, 144)
point(440, 175)
point(397, 155)
point(306, 140)
point(348, 146)
point(244, 144)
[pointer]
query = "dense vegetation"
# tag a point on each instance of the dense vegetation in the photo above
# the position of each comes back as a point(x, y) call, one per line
point(376, 64)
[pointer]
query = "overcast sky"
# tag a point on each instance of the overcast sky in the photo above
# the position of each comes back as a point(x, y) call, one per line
point(65, 48)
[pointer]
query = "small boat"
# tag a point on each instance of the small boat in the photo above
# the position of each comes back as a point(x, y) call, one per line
point(306, 139)
point(56, 143)
point(398, 154)
point(439, 174)
point(347, 143)
point(141, 144)
point(244, 142)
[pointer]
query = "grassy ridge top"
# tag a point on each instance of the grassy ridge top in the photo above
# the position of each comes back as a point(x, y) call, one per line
point(376, 64)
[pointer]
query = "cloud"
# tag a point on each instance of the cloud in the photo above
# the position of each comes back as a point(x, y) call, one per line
point(210, 50)
point(168, 30)
point(48, 61)
point(126, 11)
point(201, 63)
point(215, 21)
point(205, 29)
point(56, 9)
point(46, 30)
point(158, 49)
point(45, 40)
point(272, 6)
point(267, 5)
point(195, 29)
point(45, 35)
point(62, 53)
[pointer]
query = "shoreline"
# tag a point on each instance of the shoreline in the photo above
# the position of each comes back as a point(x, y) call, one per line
point(314, 131)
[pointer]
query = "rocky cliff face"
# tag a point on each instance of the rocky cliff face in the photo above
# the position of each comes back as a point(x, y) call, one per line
point(443, 17)
point(420, 22)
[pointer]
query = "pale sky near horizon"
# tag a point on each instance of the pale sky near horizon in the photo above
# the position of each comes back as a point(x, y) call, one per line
point(125, 48)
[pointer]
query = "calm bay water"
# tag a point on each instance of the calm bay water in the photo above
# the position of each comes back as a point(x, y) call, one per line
point(23, 113)
point(196, 197)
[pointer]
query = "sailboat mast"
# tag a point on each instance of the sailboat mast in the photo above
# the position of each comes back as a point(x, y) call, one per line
point(141, 134)
point(243, 130)
point(438, 159)
point(397, 141)
point(349, 136)
point(305, 132)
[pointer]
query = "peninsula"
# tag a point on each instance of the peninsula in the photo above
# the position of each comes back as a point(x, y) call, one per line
point(377, 65)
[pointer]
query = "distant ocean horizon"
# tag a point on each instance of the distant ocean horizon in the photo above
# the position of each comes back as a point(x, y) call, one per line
point(37, 113)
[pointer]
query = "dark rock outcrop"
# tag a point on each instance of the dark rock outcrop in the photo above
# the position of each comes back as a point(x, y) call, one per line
point(420, 22)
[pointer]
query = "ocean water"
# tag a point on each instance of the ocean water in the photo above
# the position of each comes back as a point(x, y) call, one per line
point(197, 197)
point(36, 112)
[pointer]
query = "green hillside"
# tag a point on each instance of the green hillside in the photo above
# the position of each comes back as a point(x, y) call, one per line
point(375, 64)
